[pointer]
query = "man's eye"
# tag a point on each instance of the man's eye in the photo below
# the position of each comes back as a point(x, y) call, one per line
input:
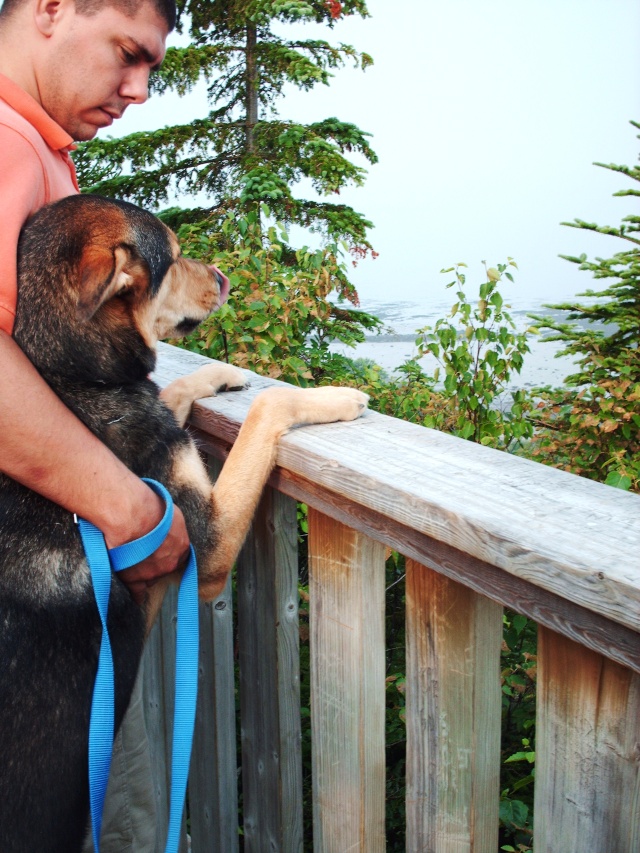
point(128, 57)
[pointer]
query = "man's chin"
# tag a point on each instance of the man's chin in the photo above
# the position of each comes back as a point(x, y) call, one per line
point(86, 129)
point(85, 134)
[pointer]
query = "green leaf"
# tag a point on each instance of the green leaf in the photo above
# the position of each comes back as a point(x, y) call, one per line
point(513, 813)
point(618, 480)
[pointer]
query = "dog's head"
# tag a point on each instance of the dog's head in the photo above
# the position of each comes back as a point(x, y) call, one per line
point(90, 266)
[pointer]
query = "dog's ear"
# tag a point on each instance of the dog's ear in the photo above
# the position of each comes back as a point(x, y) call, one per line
point(102, 274)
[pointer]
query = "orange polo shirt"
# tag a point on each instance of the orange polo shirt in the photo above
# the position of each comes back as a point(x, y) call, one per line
point(35, 169)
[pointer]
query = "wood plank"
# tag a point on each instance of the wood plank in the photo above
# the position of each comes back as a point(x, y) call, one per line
point(453, 715)
point(347, 687)
point(587, 790)
point(268, 641)
point(213, 780)
point(159, 666)
point(437, 485)
point(591, 629)
point(546, 608)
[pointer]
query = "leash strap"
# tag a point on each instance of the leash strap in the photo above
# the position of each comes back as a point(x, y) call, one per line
point(101, 726)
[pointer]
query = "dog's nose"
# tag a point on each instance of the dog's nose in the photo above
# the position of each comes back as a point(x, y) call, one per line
point(222, 281)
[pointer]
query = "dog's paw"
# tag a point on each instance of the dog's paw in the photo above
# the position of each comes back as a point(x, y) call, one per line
point(328, 404)
point(214, 378)
point(349, 403)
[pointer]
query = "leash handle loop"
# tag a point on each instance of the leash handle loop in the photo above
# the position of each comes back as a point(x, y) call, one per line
point(127, 555)
point(101, 726)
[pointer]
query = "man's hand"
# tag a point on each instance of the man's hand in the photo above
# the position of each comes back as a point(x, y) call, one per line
point(172, 555)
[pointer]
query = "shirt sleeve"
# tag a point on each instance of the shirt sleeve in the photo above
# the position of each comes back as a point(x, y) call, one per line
point(23, 190)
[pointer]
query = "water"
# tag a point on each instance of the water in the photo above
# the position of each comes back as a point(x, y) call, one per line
point(401, 319)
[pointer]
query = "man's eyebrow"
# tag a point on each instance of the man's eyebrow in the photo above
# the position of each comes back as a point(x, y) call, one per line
point(146, 54)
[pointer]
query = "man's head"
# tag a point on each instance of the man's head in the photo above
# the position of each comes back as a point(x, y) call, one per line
point(165, 8)
point(84, 61)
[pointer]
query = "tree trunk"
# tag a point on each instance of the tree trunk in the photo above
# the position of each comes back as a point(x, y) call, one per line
point(252, 86)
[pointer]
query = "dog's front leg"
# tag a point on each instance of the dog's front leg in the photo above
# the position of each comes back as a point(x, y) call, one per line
point(237, 490)
point(207, 381)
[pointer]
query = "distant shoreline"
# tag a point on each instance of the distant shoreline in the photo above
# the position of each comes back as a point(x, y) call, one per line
point(401, 320)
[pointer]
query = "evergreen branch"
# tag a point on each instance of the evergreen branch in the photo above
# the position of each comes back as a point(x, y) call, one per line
point(628, 171)
point(603, 229)
point(183, 67)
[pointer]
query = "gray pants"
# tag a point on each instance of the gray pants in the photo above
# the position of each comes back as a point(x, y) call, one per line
point(129, 818)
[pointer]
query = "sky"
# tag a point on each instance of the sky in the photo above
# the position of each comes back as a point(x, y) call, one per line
point(486, 116)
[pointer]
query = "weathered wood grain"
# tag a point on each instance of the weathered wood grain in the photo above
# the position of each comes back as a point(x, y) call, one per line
point(568, 536)
point(587, 794)
point(159, 667)
point(453, 715)
point(213, 780)
point(346, 586)
point(268, 643)
point(591, 629)
point(555, 547)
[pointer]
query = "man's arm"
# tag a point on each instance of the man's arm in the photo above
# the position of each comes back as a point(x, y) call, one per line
point(46, 448)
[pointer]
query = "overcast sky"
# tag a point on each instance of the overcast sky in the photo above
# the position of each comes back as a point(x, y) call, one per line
point(487, 116)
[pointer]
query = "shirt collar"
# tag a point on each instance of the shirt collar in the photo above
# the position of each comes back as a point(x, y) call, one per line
point(55, 137)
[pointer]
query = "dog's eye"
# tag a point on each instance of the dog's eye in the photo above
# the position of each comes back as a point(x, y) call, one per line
point(124, 293)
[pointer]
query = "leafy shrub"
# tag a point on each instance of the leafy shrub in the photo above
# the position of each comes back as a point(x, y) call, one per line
point(591, 426)
point(285, 306)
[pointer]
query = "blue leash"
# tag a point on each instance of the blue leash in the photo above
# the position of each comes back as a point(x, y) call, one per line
point(101, 727)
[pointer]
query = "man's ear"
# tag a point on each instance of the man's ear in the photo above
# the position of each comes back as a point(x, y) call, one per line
point(102, 274)
point(47, 13)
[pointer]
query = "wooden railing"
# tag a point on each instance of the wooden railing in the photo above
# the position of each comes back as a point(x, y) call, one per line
point(480, 530)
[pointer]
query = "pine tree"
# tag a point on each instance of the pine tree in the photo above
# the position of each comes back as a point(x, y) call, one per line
point(242, 153)
point(592, 425)
point(246, 162)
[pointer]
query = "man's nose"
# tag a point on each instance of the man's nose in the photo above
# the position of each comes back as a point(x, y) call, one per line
point(135, 86)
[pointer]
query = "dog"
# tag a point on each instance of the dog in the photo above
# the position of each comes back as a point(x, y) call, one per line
point(100, 282)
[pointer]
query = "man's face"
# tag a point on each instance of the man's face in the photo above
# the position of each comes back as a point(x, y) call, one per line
point(96, 65)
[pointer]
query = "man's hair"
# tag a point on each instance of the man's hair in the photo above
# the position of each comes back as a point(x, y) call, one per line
point(165, 8)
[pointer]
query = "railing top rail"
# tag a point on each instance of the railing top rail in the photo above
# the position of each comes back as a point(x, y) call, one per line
point(572, 537)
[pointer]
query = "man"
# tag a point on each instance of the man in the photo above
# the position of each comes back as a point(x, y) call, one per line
point(67, 69)
point(70, 73)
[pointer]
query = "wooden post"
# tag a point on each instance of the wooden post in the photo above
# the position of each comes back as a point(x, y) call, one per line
point(347, 687)
point(268, 643)
point(453, 715)
point(213, 781)
point(159, 667)
point(587, 794)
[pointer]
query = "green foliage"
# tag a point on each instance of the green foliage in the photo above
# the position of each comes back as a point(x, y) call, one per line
point(395, 719)
point(518, 679)
point(479, 349)
point(591, 426)
point(241, 154)
point(285, 307)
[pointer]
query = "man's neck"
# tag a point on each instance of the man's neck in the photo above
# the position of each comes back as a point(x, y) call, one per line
point(12, 61)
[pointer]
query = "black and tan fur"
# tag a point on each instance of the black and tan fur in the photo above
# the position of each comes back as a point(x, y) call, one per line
point(100, 282)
